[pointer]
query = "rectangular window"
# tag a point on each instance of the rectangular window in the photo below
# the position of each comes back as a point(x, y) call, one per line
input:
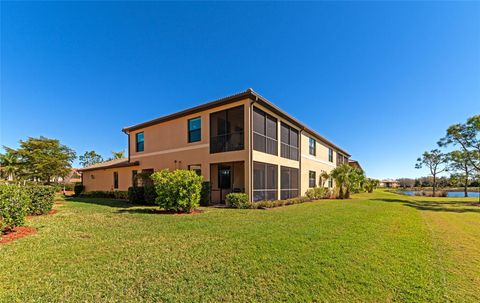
point(194, 130)
point(289, 142)
point(264, 132)
point(134, 177)
point(288, 182)
point(341, 159)
point(312, 146)
point(330, 182)
point(197, 168)
point(226, 130)
point(330, 155)
point(115, 180)
point(265, 181)
point(139, 142)
point(312, 179)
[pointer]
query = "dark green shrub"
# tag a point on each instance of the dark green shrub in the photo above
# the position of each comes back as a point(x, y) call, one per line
point(68, 187)
point(41, 199)
point(205, 193)
point(98, 194)
point(120, 195)
point(78, 189)
point(150, 195)
point(13, 206)
point(136, 195)
point(237, 200)
point(177, 190)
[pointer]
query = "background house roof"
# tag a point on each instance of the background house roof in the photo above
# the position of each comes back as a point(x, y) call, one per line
point(122, 162)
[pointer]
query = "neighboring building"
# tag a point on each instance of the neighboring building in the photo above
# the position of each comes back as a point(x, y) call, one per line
point(241, 143)
point(355, 164)
point(389, 183)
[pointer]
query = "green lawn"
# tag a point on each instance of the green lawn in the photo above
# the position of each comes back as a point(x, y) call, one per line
point(373, 248)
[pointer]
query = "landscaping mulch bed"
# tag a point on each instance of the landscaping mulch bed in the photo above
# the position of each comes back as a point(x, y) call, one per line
point(17, 233)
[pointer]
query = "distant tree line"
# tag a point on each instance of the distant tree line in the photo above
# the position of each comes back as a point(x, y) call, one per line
point(463, 163)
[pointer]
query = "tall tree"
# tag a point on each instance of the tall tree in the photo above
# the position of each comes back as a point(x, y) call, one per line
point(90, 158)
point(43, 158)
point(436, 161)
point(459, 160)
point(467, 136)
point(9, 165)
point(119, 154)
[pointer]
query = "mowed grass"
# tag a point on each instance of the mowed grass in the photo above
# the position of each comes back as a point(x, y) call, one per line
point(378, 247)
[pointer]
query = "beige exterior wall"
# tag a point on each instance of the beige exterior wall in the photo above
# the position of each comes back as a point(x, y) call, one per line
point(102, 179)
point(317, 163)
point(166, 146)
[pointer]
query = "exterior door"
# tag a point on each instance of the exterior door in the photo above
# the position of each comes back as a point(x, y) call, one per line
point(224, 180)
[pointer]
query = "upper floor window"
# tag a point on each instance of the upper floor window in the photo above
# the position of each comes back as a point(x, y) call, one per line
point(341, 159)
point(139, 142)
point(226, 130)
point(264, 132)
point(312, 146)
point(312, 179)
point(194, 130)
point(289, 142)
point(330, 155)
point(197, 168)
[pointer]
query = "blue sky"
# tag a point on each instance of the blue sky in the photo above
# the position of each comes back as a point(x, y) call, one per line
point(382, 80)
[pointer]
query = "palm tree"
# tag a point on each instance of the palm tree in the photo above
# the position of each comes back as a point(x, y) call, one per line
point(347, 179)
point(324, 176)
point(371, 184)
point(119, 154)
point(9, 165)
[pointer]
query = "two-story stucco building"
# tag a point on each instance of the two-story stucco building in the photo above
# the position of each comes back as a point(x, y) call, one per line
point(240, 143)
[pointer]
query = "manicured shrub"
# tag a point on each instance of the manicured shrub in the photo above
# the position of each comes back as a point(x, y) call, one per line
point(14, 201)
point(78, 189)
point(41, 199)
point(120, 195)
point(205, 193)
point(150, 195)
point(177, 190)
point(317, 193)
point(278, 203)
point(237, 200)
point(136, 195)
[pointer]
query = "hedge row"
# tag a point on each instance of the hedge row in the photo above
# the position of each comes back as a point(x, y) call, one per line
point(120, 195)
point(240, 200)
point(16, 202)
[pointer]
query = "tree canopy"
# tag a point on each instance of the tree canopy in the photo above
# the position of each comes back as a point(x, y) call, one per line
point(42, 159)
point(90, 158)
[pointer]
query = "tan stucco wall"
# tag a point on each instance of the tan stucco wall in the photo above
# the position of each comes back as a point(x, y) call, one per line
point(102, 179)
point(166, 146)
point(317, 163)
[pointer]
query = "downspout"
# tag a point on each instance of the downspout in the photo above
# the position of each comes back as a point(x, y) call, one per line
point(250, 159)
point(300, 164)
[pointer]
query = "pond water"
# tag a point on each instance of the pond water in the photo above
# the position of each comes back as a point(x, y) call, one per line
point(453, 194)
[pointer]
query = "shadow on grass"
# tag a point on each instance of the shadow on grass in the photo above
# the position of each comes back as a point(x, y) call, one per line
point(102, 202)
point(156, 211)
point(446, 206)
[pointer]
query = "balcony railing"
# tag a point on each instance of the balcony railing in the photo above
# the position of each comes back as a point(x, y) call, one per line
point(227, 142)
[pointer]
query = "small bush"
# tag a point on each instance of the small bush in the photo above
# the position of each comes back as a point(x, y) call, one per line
point(177, 190)
point(150, 195)
point(120, 195)
point(13, 206)
point(205, 193)
point(136, 195)
point(78, 189)
point(41, 199)
point(237, 200)
point(317, 193)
